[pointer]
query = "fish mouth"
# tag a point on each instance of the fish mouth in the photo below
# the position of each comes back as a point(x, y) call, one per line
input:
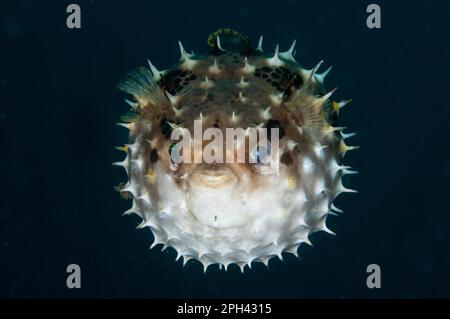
point(214, 197)
point(213, 176)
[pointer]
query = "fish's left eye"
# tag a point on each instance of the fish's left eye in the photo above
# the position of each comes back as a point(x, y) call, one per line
point(175, 159)
point(261, 154)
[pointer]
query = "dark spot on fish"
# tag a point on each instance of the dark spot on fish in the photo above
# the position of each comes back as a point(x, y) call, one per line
point(265, 76)
point(174, 73)
point(298, 81)
point(266, 69)
point(278, 71)
point(271, 123)
point(284, 70)
point(192, 77)
point(171, 81)
point(286, 159)
point(275, 75)
point(166, 130)
point(290, 84)
point(154, 156)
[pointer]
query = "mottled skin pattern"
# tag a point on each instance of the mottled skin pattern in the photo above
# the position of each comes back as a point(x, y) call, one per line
point(231, 213)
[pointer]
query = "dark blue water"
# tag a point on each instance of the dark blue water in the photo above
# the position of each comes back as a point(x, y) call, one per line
point(58, 108)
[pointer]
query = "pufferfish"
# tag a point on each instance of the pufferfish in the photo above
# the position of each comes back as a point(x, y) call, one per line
point(233, 213)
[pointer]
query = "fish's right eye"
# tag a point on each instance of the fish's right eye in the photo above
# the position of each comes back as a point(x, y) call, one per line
point(174, 155)
point(171, 147)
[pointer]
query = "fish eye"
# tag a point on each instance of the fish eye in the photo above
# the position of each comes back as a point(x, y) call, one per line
point(261, 155)
point(174, 155)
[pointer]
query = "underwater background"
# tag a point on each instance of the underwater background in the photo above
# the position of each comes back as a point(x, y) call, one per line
point(59, 105)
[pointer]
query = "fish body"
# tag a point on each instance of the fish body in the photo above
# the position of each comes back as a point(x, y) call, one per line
point(231, 212)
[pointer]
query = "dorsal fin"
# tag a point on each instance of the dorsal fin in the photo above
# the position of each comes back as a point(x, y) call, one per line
point(228, 40)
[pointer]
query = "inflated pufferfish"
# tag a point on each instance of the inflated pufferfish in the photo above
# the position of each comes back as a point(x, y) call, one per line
point(232, 213)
